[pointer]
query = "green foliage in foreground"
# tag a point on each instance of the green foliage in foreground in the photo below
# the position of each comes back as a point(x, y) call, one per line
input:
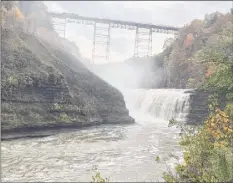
point(98, 178)
point(208, 152)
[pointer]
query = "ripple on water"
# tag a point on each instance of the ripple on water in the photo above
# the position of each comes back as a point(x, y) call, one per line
point(117, 151)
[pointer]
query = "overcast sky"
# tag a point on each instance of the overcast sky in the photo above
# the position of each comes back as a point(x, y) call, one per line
point(174, 13)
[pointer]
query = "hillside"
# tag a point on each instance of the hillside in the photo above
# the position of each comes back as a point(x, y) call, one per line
point(43, 86)
point(46, 87)
point(181, 57)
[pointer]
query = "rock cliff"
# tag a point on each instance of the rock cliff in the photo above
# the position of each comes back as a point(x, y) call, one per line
point(45, 87)
point(198, 107)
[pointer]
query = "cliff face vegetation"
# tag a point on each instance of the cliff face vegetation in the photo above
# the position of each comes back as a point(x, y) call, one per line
point(181, 57)
point(44, 86)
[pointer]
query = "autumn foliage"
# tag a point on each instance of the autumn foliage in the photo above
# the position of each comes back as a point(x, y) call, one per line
point(189, 39)
point(208, 152)
point(182, 59)
point(18, 13)
point(220, 129)
point(210, 70)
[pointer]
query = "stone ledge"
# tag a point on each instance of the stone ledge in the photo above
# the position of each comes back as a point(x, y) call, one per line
point(44, 131)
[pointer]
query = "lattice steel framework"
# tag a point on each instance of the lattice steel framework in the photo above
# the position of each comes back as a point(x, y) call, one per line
point(101, 40)
point(60, 27)
point(143, 43)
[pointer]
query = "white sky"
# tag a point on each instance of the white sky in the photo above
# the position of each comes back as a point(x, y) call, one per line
point(174, 13)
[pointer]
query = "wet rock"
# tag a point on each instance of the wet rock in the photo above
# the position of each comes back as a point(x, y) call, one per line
point(199, 106)
point(53, 76)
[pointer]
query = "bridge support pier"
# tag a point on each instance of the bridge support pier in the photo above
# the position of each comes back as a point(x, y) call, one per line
point(101, 42)
point(60, 27)
point(143, 43)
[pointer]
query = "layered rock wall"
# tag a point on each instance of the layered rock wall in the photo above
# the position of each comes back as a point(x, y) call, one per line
point(43, 87)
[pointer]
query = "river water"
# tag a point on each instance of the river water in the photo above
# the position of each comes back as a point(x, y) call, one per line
point(122, 153)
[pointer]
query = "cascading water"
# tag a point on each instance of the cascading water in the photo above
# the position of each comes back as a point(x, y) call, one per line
point(153, 104)
point(162, 104)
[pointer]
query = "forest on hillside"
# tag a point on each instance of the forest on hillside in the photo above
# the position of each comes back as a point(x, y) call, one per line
point(184, 57)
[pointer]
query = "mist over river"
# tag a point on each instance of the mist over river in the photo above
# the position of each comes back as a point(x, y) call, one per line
point(120, 152)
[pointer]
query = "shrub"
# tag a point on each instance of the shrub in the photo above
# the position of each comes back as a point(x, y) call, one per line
point(208, 152)
point(64, 117)
point(12, 80)
point(98, 178)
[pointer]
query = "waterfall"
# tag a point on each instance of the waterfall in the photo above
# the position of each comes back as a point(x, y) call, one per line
point(158, 103)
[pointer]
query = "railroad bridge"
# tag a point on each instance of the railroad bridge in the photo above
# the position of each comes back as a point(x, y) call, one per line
point(102, 27)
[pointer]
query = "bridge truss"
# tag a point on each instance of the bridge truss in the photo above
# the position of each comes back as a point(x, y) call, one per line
point(102, 30)
point(101, 39)
point(143, 43)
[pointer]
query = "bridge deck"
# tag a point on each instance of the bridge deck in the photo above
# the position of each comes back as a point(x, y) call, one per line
point(133, 25)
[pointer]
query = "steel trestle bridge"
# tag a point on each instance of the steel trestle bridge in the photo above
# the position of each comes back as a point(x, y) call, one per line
point(101, 37)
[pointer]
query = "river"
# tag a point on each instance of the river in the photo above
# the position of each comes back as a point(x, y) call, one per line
point(122, 153)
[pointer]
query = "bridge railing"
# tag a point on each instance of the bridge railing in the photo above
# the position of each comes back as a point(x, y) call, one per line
point(114, 23)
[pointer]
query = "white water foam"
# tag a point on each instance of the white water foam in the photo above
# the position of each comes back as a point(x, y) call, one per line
point(162, 104)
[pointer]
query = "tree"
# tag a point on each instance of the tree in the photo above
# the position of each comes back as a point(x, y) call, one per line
point(220, 51)
point(211, 18)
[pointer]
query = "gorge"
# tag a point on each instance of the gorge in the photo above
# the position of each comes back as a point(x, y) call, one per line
point(63, 119)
